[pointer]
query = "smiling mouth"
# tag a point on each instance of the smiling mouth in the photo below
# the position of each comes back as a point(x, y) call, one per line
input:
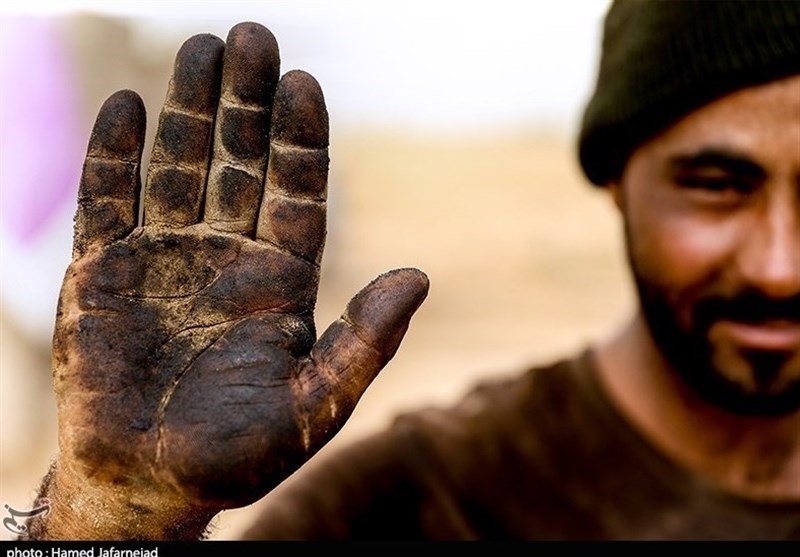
point(770, 335)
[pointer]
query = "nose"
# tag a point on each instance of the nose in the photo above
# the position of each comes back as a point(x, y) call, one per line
point(770, 261)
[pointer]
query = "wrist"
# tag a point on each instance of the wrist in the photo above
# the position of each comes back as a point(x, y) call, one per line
point(81, 509)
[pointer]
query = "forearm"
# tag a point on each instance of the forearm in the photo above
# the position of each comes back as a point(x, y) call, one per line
point(81, 510)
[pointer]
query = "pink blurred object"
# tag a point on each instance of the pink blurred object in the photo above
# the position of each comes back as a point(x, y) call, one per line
point(40, 135)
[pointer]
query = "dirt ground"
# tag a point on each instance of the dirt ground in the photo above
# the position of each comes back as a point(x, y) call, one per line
point(525, 261)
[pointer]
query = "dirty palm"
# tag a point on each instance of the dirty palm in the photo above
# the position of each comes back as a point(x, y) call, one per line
point(187, 364)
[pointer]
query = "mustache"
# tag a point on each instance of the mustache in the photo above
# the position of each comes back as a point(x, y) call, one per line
point(748, 307)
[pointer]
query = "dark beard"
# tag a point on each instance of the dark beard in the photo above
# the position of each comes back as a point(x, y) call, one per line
point(689, 352)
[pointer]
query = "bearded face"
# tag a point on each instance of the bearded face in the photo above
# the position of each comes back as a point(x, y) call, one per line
point(704, 351)
point(712, 221)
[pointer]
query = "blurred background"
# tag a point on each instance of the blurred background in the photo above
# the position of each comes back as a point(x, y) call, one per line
point(452, 150)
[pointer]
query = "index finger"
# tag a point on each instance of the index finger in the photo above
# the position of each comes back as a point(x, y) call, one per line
point(292, 214)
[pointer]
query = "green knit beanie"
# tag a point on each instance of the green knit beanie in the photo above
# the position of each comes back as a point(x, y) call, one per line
point(662, 59)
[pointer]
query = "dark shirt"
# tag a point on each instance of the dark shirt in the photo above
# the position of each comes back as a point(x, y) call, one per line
point(540, 456)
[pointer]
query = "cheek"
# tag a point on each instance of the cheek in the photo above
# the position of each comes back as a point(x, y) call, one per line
point(684, 253)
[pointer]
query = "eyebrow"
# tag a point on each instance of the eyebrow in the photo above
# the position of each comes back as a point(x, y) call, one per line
point(723, 159)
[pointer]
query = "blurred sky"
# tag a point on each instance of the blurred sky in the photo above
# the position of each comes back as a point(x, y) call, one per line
point(433, 64)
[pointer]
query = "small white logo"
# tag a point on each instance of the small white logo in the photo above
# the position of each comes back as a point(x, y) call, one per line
point(20, 528)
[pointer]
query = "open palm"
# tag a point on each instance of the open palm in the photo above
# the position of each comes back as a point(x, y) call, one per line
point(186, 360)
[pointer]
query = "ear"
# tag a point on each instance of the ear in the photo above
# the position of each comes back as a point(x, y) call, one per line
point(614, 188)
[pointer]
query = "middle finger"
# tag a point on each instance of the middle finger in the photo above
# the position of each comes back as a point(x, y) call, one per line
point(250, 71)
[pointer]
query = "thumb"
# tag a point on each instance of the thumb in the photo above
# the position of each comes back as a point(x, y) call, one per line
point(355, 347)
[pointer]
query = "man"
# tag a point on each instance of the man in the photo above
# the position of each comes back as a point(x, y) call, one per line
point(190, 379)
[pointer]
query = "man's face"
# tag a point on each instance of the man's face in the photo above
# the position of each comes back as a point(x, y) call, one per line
point(712, 221)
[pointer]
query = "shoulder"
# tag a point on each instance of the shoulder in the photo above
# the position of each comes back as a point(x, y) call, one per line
point(522, 418)
point(499, 401)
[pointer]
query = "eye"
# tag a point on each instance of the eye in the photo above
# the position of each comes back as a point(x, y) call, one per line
point(717, 182)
